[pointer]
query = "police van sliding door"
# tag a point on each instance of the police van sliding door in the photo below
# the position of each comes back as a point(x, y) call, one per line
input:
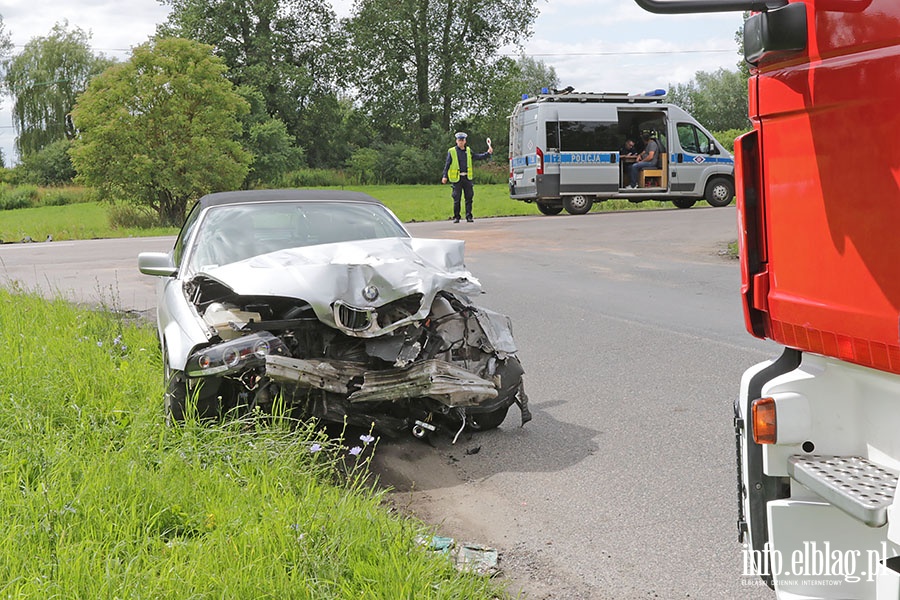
point(588, 157)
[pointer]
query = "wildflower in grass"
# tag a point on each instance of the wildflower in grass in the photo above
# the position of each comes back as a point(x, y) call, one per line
point(355, 450)
point(367, 439)
point(99, 343)
point(315, 448)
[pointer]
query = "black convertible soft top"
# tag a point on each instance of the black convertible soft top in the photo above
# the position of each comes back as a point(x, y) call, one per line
point(239, 197)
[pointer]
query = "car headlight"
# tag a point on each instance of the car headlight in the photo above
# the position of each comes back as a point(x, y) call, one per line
point(234, 355)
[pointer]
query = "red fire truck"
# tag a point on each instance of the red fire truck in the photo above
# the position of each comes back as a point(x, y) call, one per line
point(818, 184)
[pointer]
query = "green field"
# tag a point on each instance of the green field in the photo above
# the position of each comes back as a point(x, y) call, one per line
point(411, 203)
point(99, 498)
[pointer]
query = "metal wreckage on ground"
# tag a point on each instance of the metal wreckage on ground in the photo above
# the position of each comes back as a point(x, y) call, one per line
point(323, 301)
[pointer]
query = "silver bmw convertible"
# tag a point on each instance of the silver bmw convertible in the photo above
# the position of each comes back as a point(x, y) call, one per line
point(322, 303)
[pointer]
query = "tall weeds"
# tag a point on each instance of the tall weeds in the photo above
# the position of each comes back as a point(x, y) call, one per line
point(100, 499)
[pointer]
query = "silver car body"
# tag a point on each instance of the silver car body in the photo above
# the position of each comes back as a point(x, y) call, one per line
point(259, 285)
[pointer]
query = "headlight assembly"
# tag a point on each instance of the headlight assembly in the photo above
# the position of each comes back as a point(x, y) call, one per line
point(234, 355)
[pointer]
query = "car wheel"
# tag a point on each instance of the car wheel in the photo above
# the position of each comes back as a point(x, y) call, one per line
point(487, 420)
point(549, 209)
point(719, 191)
point(578, 205)
point(684, 202)
point(175, 396)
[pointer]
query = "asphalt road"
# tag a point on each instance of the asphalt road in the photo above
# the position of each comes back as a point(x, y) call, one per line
point(630, 329)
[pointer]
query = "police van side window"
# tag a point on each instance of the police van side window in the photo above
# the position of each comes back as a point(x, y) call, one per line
point(693, 140)
point(580, 136)
point(553, 135)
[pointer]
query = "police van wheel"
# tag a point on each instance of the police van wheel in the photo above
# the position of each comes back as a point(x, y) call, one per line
point(578, 205)
point(683, 202)
point(549, 209)
point(719, 191)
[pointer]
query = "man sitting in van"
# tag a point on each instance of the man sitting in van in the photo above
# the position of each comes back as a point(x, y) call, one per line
point(648, 159)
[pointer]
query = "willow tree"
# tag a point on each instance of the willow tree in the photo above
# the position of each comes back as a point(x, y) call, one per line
point(161, 129)
point(5, 49)
point(5, 42)
point(44, 80)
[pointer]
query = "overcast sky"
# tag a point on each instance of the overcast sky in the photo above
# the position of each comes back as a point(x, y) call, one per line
point(594, 45)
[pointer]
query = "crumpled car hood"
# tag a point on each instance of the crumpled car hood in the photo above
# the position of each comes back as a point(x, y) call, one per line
point(326, 273)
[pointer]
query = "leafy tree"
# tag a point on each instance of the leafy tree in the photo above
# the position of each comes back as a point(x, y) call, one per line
point(44, 81)
point(363, 166)
point(50, 165)
point(161, 129)
point(717, 99)
point(416, 60)
point(742, 65)
point(267, 138)
point(286, 49)
point(498, 92)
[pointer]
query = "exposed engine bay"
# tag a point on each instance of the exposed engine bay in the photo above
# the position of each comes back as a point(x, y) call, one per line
point(418, 363)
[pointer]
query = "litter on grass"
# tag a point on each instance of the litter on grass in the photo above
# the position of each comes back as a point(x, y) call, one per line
point(470, 558)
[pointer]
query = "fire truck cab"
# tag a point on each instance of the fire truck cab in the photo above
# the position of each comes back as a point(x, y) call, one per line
point(818, 429)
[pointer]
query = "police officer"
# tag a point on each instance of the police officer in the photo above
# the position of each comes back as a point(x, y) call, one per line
point(458, 170)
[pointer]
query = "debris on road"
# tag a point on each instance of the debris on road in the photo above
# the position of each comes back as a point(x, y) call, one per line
point(471, 558)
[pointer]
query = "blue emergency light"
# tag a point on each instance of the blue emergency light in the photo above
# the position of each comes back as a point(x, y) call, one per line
point(656, 92)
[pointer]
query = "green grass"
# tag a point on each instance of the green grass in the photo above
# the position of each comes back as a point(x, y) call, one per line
point(83, 221)
point(100, 499)
point(433, 203)
point(411, 203)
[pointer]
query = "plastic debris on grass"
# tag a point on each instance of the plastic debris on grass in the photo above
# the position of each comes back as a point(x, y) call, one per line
point(470, 558)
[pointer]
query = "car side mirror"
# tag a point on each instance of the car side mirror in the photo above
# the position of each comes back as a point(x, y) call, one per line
point(159, 264)
point(714, 149)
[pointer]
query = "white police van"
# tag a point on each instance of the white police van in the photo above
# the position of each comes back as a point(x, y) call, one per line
point(564, 152)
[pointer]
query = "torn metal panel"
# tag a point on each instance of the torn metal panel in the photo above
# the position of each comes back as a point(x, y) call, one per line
point(329, 375)
point(442, 381)
point(498, 331)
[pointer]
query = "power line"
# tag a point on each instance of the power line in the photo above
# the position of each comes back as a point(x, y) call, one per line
point(635, 53)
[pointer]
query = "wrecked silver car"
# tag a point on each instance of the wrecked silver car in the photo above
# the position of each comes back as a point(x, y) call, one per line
point(322, 301)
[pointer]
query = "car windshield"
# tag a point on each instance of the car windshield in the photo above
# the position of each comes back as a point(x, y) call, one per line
point(231, 233)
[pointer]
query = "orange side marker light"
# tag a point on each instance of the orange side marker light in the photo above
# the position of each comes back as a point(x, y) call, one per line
point(764, 422)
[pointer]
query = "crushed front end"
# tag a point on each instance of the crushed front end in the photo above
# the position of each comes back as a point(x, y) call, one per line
point(393, 344)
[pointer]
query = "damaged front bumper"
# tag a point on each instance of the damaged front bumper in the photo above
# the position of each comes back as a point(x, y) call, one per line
point(442, 381)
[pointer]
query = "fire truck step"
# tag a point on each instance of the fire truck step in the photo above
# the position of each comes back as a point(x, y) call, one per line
point(854, 484)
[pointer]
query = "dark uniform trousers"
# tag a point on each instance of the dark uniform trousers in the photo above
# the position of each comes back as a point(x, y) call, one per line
point(463, 186)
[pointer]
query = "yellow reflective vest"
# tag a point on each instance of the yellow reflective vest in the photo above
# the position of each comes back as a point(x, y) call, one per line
point(453, 171)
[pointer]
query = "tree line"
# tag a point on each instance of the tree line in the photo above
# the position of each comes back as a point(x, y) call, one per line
point(239, 94)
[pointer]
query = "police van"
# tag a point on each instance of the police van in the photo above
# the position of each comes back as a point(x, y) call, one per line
point(564, 152)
